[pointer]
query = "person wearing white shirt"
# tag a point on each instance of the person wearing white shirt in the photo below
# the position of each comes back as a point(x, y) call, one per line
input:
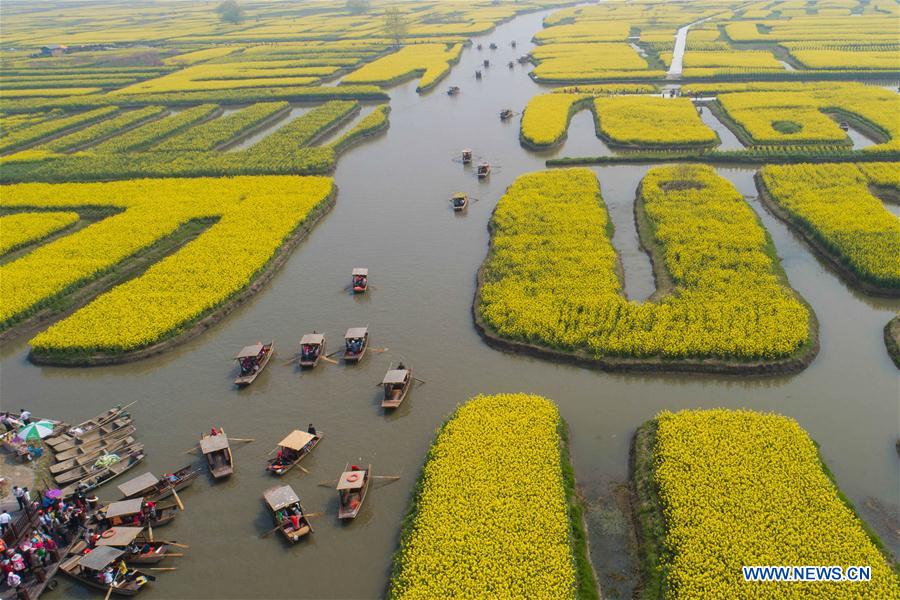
point(5, 519)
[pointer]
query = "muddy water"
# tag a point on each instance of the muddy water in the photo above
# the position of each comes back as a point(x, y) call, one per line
point(393, 216)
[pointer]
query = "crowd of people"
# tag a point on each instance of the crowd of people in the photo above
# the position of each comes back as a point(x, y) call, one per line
point(52, 525)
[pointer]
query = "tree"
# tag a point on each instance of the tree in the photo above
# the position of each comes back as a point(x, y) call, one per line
point(230, 12)
point(395, 25)
point(358, 7)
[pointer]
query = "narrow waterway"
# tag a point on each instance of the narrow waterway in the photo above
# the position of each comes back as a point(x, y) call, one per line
point(392, 216)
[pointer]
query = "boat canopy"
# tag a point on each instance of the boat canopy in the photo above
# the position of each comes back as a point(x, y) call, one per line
point(213, 443)
point(138, 484)
point(459, 196)
point(356, 332)
point(281, 496)
point(119, 536)
point(296, 440)
point(99, 558)
point(351, 480)
point(395, 376)
point(125, 507)
point(312, 338)
point(250, 351)
point(361, 271)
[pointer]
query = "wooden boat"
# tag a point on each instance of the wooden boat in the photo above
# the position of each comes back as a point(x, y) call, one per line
point(292, 449)
point(352, 488)
point(103, 444)
point(479, 46)
point(845, 126)
point(506, 114)
point(484, 169)
point(135, 512)
point(252, 360)
point(92, 468)
point(356, 342)
point(288, 512)
point(453, 90)
point(104, 475)
point(477, 74)
point(486, 63)
point(460, 201)
point(218, 454)
point(397, 383)
point(510, 64)
point(93, 435)
point(467, 156)
point(493, 46)
point(90, 456)
point(523, 59)
point(512, 43)
point(360, 281)
point(87, 567)
point(312, 349)
point(84, 426)
point(139, 550)
point(154, 488)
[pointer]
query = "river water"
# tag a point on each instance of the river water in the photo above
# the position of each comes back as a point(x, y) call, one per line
point(392, 216)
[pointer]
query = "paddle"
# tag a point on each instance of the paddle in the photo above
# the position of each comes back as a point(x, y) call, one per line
point(329, 360)
point(393, 477)
point(108, 593)
point(422, 381)
point(333, 353)
point(170, 554)
point(194, 449)
point(176, 544)
point(331, 483)
point(241, 440)
point(303, 469)
point(277, 527)
point(177, 499)
point(150, 531)
point(162, 569)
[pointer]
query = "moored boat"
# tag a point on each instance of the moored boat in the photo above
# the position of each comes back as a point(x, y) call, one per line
point(252, 360)
point(93, 435)
point(352, 488)
point(218, 454)
point(312, 349)
point(287, 512)
point(292, 449)
point(89, 569)
point(106, 474)
point(139, 550)
point(356, 342)
point(76, 430)
point(153, 488)
point(396, 384)
point(135, 512)
point(105, 444)
point(90, 455)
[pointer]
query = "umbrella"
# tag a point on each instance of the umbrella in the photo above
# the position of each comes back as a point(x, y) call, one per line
point(35, 431)
point(54, 493)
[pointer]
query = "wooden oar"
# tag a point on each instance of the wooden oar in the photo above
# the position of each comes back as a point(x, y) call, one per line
point(109, 593)
point(393, 477)
point(290, 361)
point(303, 469)
point(194, 449)
point(176, 544)
point(231, 439)
point(150, 531)
point(333, 353)
point(422, 381)
point(170, 554)
point(162, 569)
point(379, 349)
point(177, 499)
point(328, 483)
point(330, 360)
point(277, 527)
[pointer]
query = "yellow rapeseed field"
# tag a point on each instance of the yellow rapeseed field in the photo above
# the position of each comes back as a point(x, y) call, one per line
point(834, 204)
point(550, 277)
point(432, 61)
point(21, 228)
point(256, 215)
point(547, 116)
point(491, 519)
point(742, 488)
point(652, 121)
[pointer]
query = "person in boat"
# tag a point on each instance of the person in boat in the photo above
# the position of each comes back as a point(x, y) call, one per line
point(311, 430)
point(213, 431)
